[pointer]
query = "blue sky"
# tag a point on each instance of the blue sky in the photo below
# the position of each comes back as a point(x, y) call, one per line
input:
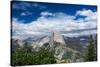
point(33, 9)
point(31, 18)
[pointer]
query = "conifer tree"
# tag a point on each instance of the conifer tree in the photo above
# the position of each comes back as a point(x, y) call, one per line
point(91, 50)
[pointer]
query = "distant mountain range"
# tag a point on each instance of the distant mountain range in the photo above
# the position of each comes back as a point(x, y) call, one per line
point(63, 46)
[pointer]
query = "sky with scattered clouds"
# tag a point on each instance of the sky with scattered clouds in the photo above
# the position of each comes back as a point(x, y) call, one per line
point(38, 18)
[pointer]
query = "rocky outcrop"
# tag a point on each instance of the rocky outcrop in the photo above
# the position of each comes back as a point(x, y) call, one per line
point(56, 38)
point(57, 43)
point(61, 51)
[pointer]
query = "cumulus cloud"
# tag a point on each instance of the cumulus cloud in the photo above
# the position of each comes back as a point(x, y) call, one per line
point(85, 12)
point(58, 22)
point(90, 15)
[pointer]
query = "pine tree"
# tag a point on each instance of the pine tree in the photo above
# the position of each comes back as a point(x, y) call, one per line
point(96, 47)
point(91, 51)
point(25, 56)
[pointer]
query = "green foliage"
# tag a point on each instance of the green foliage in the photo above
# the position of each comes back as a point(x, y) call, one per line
point(24, 56)
point(68, 55)
point(91, 51)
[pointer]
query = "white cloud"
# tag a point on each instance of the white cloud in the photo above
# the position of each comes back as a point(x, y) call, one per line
point(26, 13)
point(85, 12)
point(59, 22)
point(90, 15)
point(23, 14)
point(46, 14)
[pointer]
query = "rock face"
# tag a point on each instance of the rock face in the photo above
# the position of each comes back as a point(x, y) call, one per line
point(57, 43)
point(16, 44)
point(61, 51)
point(56, 37)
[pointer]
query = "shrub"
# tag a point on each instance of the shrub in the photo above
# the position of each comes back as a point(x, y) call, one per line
point(22, 57)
